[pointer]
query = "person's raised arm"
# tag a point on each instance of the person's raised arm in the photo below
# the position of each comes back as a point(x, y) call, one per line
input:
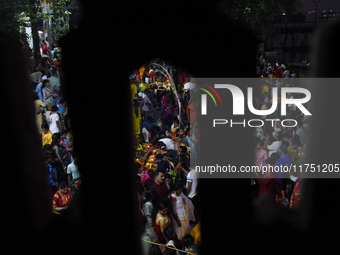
point(189, 188)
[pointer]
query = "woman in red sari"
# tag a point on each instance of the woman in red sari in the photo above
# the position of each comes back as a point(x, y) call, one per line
point(62, 198)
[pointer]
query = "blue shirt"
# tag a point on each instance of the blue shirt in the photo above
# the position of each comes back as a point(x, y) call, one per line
point(55, 101)
point(163, 166)
point(62, 110)
point(38, 89)
point(49, 171)
point(281, 162)
point(148, 125)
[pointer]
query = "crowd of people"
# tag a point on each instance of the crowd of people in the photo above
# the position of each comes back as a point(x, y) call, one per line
point(265, 68)
point(276, 145)
point(54, 127)
point(165, 137)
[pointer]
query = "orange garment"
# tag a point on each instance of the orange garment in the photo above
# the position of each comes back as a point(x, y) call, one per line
point(191, 113)
point(57, 63)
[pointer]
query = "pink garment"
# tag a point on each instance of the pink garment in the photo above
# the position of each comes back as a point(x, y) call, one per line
point(260, 157)
point(62, 143)
point(144, 178)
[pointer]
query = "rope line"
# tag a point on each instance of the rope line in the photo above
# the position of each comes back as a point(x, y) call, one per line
point(169, 247)
point(156, 243)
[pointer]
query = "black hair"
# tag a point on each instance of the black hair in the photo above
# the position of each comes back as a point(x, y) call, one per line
point(161, 144)
point(170, 234)
point(63, 131)
point(47, 147)
point(159, 156)
point(188, 240)
point(178, 186)
point(66, 118)
point(280, 136)
point(45, 81)
point(74, 155)
point(54, 108)
point(285, 143)
point(149, 194)
point(296, 137)
point(161, 206)
point(260, 142)
point(47, 156)
point(62, 185)
point(296, 142)
point(155, 128)
point(300, 124)
point(45, 125)
point(183, 148)
point(150, 173)
point(270, 161)
point(167, 176)
point(43, 85)
point(55, 139)
point(275, 156)
point(157, 172)
point(62, 100)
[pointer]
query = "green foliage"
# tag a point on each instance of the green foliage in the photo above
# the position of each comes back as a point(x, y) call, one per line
point(12, 19)
point(17, 14)
point(259, 15)
point(59, 28)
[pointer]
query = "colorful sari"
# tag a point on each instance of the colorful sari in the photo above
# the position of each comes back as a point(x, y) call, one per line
point(196, 233)
point(75, 185)
point(296, 194)
point(136, 122)
point(62, 201)
point(184, 209)
point(160, 224)
point(167, 106)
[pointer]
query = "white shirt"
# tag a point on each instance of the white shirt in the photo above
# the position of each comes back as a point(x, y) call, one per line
point(73, 169)
point(192, 177)
point(145, 101)
point(36, 77)
point(168, 142)
point(274, 147)
point(286, 74)
point(54, 117)
point(172, 127)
